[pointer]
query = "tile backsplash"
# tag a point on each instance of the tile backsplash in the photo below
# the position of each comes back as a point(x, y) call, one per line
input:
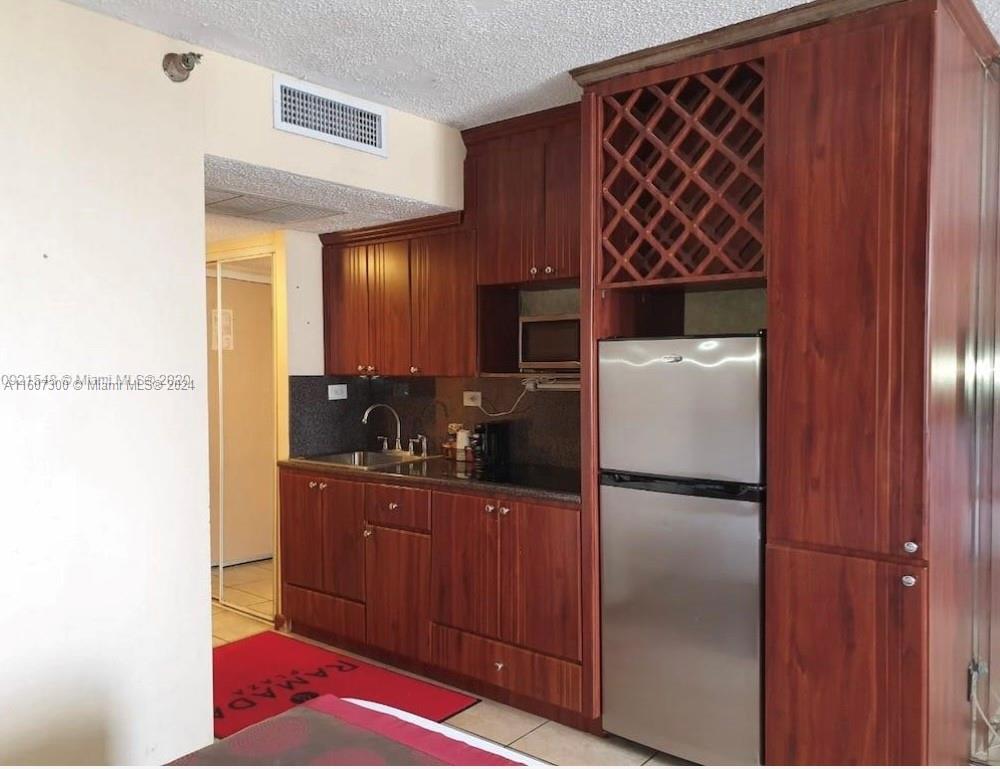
point(545, 429)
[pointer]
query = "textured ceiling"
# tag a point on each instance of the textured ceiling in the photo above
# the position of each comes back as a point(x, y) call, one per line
point(461, 62)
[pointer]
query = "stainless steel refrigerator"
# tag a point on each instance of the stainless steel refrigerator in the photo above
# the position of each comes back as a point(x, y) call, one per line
point(681, 523)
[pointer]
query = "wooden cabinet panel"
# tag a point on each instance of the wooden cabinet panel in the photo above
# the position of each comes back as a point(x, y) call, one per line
point(845, 307)
point(326, 613)
point(389, 307)
point(534, 675)
point(510, 215)
point(443, 302)
point(397, 568)
point(345, 308)
point(398, 506)
point(464, 564)
point(562, 202)
point(540, 578)
point(301, 531)
point(845, 676)
point(343, 548)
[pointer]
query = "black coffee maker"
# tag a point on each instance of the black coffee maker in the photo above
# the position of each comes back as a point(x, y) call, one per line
point(491, 444)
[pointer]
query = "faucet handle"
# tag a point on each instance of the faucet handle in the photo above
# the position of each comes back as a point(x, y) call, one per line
point(385, 442)
point(423, 444)
point(413, 442)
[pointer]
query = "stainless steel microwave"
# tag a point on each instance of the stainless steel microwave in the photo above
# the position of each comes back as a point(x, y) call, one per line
point(549, 343)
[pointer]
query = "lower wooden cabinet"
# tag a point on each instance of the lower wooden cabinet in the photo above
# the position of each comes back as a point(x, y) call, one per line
point(397, 583)
point(846, 654)
point(337, 617)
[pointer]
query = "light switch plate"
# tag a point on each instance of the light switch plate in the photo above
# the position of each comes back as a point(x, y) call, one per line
point(472, 398)
point(336, 392)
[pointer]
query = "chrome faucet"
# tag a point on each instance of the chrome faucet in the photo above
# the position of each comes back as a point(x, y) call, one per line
point(364, 420)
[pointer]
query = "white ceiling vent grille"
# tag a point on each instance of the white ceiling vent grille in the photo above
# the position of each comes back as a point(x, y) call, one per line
point(309, 110)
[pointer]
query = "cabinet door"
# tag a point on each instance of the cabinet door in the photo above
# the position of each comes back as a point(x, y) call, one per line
point(301, 531)
point(464, 563)
point(443, 305)
point(345, 306)
point(845, 660)
point(562, 202)
point(398, 570)
point(510, 209)
point(540, 578)
point(845, 298)
point(343, 541)
point(389, 307)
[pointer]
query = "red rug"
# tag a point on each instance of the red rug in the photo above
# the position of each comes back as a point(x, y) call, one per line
point(267, 674)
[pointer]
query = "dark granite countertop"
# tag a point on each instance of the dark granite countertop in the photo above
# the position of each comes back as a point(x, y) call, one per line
point(542, 482)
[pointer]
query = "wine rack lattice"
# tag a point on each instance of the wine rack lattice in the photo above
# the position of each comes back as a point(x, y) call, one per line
point(682, 170)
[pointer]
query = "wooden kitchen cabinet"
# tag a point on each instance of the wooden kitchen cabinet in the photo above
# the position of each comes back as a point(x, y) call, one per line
point(397, 582)
point(465, 563)
point(443, 305)
point(540, 578)
point(301, 531)
point(346, 309)
point(389, 307)
point(862, 657)
point(524, 197)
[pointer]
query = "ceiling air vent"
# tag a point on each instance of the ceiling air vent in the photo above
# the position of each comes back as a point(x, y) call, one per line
point(309, 110)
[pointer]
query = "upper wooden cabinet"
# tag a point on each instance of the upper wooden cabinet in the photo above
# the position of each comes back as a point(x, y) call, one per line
point(401, 300)
point(523, 197)
point(845, 290)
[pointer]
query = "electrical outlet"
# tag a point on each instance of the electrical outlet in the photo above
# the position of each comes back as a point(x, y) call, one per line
point(472, 398)
point(336, 392)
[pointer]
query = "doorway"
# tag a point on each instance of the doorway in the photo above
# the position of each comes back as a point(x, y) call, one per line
point(242, 431)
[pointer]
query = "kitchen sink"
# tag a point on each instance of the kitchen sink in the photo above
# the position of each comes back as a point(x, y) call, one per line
point(367, 460)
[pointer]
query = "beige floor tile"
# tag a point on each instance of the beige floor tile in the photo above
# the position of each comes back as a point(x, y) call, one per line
point(662, 759)
point(239, 597)
point(496, 722)
point(264, 588)
point(559, 744)
point(231, 626)
point(264, 607)
point(240, 575)
point(216, 641)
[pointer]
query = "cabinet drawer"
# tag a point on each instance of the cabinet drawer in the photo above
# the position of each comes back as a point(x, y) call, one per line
point(398, 506)
point(517, 670)
point(345, 619)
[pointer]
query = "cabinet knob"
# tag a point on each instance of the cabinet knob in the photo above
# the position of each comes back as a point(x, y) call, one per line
point(504, 510)
point(414, 370)
point(490, 508)
point(369, 531)
point(361, 367)
point(312, 484)
point(908, 581)
point(548, 270)
point(369, 368)
point(911, 547)
point(498, 665)
point(533, 270)
point(393, 506)
point(322, 486)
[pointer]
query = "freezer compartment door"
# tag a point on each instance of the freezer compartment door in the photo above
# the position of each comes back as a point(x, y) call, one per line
point(682, 408)
point(680, 611)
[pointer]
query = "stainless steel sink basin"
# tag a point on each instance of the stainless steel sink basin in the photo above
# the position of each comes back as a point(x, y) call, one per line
point(367, 460)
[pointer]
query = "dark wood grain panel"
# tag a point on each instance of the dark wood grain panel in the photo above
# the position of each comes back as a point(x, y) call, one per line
point(845, 312)
point(562, 201)
point(518, 670)
point(397, 568)
point(301, 530)
point(418, 227)
point(339, 618)
point(845, 651)
point(540, 578)
point(389, 307)
point(443, 301)
point(465, 563)
point(510, 215)
point(343, 550)
point(345, 309)
point(398, 506)
point(956, 226)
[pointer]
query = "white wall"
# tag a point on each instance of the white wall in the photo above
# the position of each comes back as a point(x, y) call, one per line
point(107, 657)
